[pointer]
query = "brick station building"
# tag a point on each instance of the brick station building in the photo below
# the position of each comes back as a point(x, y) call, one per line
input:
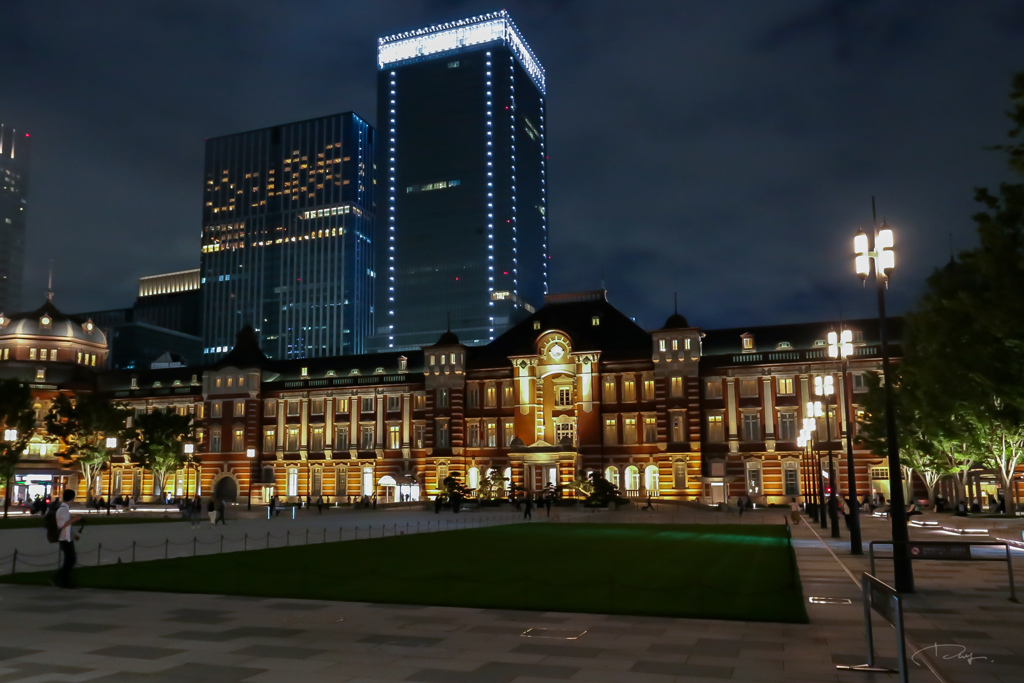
point(675, 412)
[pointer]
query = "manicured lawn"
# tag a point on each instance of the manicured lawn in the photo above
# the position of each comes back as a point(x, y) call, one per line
point(36, 521)
point(720, 572)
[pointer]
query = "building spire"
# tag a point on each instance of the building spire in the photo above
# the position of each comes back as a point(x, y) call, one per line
point(49, 283)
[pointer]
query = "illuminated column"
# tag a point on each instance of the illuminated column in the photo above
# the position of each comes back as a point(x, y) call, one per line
point(730, 388)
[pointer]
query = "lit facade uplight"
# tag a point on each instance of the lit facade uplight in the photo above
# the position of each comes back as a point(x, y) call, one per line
point(10, 435)
point(814, 410)
point(250, 452)
point(111, 442)
point(840, 345)
point(190, 449)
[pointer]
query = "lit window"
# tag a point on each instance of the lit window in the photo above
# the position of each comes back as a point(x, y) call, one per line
point(716, 431)
point(786, 385)
point(713, 388)
point(564, 397)
point(595, 321)
point(676, 387)
point(611, 435)
point(650, 429)
point(239, 408)
point(629, 430)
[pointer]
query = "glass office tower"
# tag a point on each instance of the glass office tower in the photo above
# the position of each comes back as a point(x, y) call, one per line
point(288, 227)
point(463, 224)
point(14, 158)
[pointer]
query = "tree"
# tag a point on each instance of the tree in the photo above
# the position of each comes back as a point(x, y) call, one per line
point(493, 485)
point(157, 443)
point(964, 347)
point(82, 426)
point(17, 425)
point(604, 493)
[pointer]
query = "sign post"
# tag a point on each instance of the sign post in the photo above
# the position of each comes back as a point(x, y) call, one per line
point(883, 599)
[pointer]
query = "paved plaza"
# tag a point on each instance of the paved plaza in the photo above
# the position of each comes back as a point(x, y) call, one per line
point(112, 636)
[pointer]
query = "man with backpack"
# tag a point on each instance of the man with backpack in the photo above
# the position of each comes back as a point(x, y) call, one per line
point(58, 530)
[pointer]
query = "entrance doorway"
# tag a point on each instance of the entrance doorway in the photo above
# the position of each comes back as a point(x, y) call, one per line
point(226, 490)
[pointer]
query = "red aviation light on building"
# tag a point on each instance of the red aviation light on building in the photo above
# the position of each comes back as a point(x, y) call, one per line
point(26, 135)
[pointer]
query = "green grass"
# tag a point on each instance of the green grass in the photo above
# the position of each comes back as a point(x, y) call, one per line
point(698, 571)
point(36, 521)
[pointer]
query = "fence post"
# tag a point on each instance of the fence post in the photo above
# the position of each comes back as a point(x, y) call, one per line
point(133, 551)
point(193, 546)
point(167, 543)
point(245, 541)
point(99, 553)
point(268, 539)
point(407, 527)
point(222, 543)
point(288, 536)
point(357, 532)
point(307, 536)
point(14, 562)
point(341, 533)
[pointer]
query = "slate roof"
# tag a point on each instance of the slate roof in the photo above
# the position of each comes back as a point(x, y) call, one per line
point(800, 335)
point(616, 337)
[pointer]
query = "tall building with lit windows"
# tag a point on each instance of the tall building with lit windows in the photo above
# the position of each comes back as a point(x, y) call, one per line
point(463, 225)
point(14, 158)
point(288, 238)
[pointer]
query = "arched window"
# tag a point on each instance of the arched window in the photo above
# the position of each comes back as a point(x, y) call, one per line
point(651, 478)
point(632, 478)
point(292, 488)
point(612, 475)
point(367, 481)
point(474, 478)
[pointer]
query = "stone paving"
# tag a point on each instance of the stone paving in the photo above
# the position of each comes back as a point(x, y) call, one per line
point(110, 636)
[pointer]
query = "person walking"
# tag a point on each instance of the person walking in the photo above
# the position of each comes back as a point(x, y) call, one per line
point(528, 508)
point(273, 507)
point(62, 579)
point(794, 511)
point(741, 503)
point(211, 510)
point(547, 505)
point(221, 505)
point(320, 505)
point(196, 512)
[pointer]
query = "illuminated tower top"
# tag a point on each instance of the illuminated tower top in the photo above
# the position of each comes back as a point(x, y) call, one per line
point(496, 27)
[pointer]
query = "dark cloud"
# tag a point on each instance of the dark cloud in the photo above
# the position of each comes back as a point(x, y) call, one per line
point(727, 151)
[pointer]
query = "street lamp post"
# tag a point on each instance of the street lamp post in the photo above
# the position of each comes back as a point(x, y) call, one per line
point(111, 445)
point(807, 437)
point(841, 346)
point(803, 441)
point(884, 259)
point(251, 454)
point(190, 449)
point(814, 410)
point(825, 386)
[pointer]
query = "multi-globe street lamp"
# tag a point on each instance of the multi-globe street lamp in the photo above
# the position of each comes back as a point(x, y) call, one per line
point(814, 411)
point(111, 445)
point(840, 345)
point(825, 386)
point(884, 258)
point(805, 442)
point(251, 454)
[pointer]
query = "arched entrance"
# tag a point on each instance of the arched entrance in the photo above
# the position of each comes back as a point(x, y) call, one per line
point(226, 489)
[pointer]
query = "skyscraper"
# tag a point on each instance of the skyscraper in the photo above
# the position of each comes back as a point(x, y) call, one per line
point(288, 230)
point(463, 223)
point(14, 158)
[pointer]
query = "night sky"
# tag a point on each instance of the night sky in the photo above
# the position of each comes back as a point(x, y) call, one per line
point(724, 150)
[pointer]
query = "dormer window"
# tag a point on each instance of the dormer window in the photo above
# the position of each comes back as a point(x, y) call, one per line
point(40, 374)
point(4, 320)
point(380, 371)
point(536, 324)
point(661, 345)
point(157, 385)
point(783, 345)
point(305, 373)
point(403, 363)
point(595, 320)
point(88, 326)
point(858, 335)
point(747, 341)
point(177, 383)
point(329, 373)
point(820, 342)
point(353, 371)
point(135, 383)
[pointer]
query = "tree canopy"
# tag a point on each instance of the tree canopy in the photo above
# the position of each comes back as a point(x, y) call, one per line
point(17, 425)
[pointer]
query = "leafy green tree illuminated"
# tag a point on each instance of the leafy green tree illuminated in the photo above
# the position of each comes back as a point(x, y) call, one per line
point(158, 445)
point(17, 420)
point(82, 426)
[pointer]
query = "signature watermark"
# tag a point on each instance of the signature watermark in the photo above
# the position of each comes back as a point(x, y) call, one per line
point(950, 651)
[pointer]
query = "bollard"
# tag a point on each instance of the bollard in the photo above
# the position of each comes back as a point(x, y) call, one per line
point(293, 512)
point(99, 552)
point(14, 562)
